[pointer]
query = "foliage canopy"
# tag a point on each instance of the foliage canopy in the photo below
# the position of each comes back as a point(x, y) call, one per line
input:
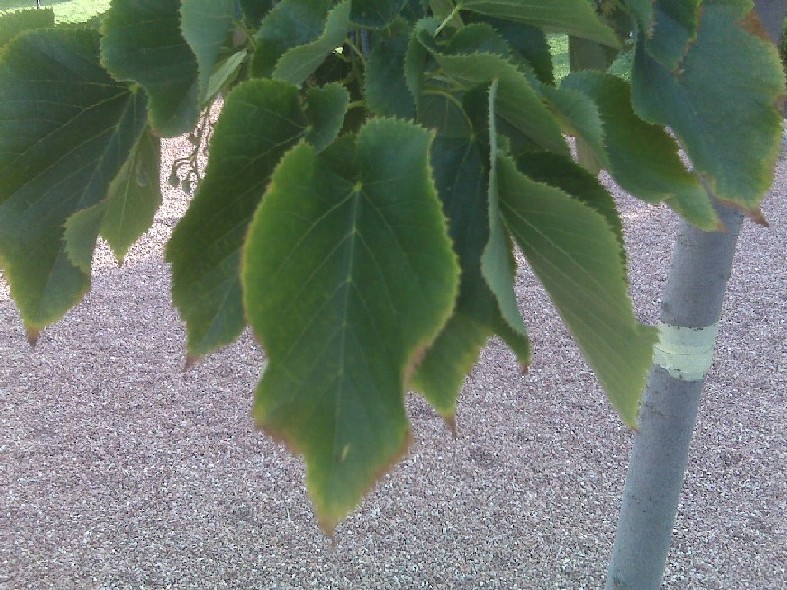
point(372, 170)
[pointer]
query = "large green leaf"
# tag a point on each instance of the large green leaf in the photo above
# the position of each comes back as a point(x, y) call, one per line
point(205, 25)
point(721, 103)
point(260, 121)
point(14, 23)
point(300, 62)
point(576, 255)
point(574, 17)
point(66, 129)
point(348, 276)
point(643, 158)
point(142, 43)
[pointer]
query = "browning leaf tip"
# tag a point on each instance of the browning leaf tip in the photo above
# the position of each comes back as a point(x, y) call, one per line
point(191, 360)
point(751, 23)
point(756, 215)
point(32, 336)
point(328, 528)
point(450, 423)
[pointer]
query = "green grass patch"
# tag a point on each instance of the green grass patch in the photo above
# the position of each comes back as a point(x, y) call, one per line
point(71, 11)
point(559, 47)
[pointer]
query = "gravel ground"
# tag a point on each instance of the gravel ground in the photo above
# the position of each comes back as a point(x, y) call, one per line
point(119, 471)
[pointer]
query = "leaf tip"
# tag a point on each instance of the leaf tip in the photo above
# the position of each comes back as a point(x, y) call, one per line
point(328, 528)
point(450, 423)
point(752, 24)
point(32, 336)
point(757, 216)
point(191, 360)
point(416, 358)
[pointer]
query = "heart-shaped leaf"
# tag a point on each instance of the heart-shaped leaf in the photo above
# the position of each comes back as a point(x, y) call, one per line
point(66, 130)
point(348, 276)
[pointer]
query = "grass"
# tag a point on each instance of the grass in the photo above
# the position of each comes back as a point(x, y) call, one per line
point(559, 47)
point(72, 11)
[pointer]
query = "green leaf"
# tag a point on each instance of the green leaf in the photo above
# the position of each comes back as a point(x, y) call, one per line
point(289, 24)
point(225, 73)
point(579, 116)
point(721, 103)
point(15, 23)
point(589, 55)
point(667, 27)
point(376, 14)
point(134, 196)
point(417, 60)
point(642, 10)
point(414, 10)
point(260, 121)
point(441, 373)
point(348, 275)
point(66, 129)
point(528, 45)
point(205, 25)
point(497, 263)
point(477, 38)
point(573, 180)
point(576, 256)
point(574, 17)
point(585, 54)
point(643, 158)
point(673, 28)
point(300, 62)
point(386, 87)
point(325, 110)
point(462, 183)
point(142, 43)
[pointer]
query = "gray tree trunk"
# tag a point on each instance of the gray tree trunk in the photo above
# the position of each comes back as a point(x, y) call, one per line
point(691, 307)
point(690, 310)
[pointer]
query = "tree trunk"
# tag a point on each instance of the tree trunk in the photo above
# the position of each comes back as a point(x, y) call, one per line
point(691, 306)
